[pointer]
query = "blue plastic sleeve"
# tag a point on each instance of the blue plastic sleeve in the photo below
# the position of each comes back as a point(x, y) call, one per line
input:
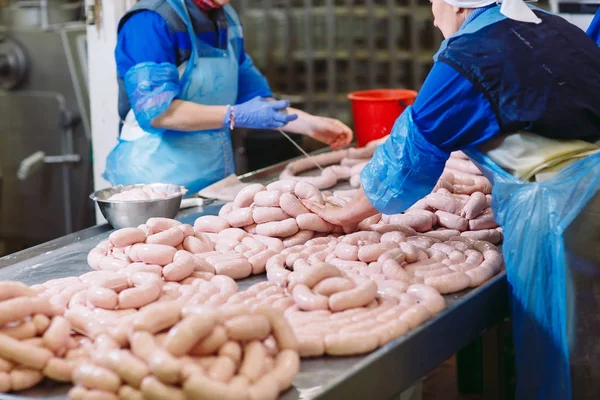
point(151, 88)
point(404, 169)
point(157, 43)
point(251, 82)
point(537, 220)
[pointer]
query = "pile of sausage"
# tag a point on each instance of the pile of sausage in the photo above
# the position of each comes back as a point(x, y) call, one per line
point(175, 352)
point(440, 214)
point(360, 330)
point(349, 325)
point(460, 204)
point(274, 211)
point(393, 260)
point(341, 295)
point(35, 340)
point(341, 165)
point(171, 250)
point(160, 316)
point(142, 193)
point(101, 302)
point(461, 176)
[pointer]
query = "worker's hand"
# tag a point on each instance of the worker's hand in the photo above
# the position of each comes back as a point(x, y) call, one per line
point(330, 131)
point(333, 214)
point(259, 113)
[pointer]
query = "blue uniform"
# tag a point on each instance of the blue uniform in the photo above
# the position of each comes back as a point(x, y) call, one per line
point(145, 36)
point(497, 76)
point(157, 62)
point(473, 120)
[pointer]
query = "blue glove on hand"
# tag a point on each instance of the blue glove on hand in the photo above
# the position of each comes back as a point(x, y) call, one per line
point(259, 113)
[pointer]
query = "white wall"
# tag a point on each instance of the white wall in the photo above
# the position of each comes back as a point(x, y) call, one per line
point(102, 39)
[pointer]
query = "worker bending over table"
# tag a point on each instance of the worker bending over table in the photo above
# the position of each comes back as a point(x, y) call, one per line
point(516, 88)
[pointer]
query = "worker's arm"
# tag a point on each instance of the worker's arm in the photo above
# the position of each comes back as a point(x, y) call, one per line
point(188, 116)
point(146, 60)
point(252, 83)
point(449, 114)
point(330, 131)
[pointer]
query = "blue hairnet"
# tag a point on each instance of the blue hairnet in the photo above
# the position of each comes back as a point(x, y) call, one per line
point(151, 88)
point(404, 169)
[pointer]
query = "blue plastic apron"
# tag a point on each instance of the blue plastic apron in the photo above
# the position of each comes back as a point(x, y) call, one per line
point(534, 217)
point(193, 159)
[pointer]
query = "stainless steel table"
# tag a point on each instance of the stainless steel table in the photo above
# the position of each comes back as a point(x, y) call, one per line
point(379, 375)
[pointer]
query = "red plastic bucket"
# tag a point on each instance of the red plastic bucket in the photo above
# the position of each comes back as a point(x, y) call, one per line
point(375, 111)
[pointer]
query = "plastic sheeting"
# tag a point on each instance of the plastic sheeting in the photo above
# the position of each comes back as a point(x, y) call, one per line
point(404, 169)
point(534, 217)
point(151, 88)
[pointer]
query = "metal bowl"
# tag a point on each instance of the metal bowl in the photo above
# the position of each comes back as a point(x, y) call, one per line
point(124, 214)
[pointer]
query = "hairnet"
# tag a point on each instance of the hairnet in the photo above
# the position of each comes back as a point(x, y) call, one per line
point(513, 9)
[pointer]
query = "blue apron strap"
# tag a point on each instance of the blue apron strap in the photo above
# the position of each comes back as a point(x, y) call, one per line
point(234, 25)
point(182, 11)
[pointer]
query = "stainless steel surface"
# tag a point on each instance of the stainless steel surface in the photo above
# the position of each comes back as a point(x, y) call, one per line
point(124, 214)
point(64, 159)
point(192, 202)
point(33, 163)
point(379, 375)
point(45, 115)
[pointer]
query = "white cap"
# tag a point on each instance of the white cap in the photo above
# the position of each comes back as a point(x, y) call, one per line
point(513, 9)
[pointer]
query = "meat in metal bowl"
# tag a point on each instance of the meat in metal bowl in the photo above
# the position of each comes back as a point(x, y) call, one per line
point(131, 213)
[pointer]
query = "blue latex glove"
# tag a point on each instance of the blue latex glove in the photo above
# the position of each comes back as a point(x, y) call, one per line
point(259, 113)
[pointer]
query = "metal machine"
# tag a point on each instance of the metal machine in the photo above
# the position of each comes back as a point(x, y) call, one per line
point(577, 12)
point(45, 150)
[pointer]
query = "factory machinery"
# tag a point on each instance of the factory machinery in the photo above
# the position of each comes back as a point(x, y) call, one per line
point(45, 153)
